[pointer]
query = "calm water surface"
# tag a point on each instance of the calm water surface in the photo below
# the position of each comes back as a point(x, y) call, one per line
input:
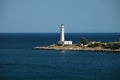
point(19, 62)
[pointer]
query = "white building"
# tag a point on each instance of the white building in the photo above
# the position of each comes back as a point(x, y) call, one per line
point(62, 37)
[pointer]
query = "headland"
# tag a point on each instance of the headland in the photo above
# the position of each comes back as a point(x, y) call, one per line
point(76, 48)
point(83, 45)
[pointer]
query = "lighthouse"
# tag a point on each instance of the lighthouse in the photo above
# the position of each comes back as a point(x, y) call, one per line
point(62, 37)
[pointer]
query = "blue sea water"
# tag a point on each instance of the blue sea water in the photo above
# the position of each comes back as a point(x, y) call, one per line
point(19, 62)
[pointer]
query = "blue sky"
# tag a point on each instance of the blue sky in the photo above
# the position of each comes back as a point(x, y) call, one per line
point(37, 16)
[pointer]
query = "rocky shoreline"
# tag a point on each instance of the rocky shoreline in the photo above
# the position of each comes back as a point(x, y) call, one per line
point(97, 49)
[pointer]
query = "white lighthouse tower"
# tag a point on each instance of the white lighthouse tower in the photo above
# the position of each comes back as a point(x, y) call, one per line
point(62, 37)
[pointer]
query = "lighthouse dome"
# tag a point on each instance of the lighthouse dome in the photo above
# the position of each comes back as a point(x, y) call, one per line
point(62, 25)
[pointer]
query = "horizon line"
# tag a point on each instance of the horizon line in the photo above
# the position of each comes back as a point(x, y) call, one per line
point(59, 32)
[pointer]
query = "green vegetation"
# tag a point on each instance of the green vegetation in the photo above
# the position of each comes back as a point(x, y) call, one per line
point(112, 45)
point(108, 45)
point(78, 44)
point(118, 40)
point(84, 41)
point(94, 45)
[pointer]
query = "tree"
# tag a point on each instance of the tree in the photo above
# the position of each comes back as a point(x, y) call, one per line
point(84, 41)
point(118, 39)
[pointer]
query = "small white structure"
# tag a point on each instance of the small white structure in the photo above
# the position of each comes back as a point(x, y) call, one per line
point(62, 37)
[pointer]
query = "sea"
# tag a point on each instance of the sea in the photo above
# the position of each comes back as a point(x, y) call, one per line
point(19, 62)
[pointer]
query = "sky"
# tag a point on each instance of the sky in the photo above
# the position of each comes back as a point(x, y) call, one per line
point(79, 16)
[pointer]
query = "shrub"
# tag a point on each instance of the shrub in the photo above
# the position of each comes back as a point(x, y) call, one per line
point(78, 44)
point(112, 45)
point(118, 40)
point(94, 45)
point(84, 41)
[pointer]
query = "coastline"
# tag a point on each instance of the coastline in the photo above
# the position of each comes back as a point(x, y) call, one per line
point(83, 45)
point(97, 49)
